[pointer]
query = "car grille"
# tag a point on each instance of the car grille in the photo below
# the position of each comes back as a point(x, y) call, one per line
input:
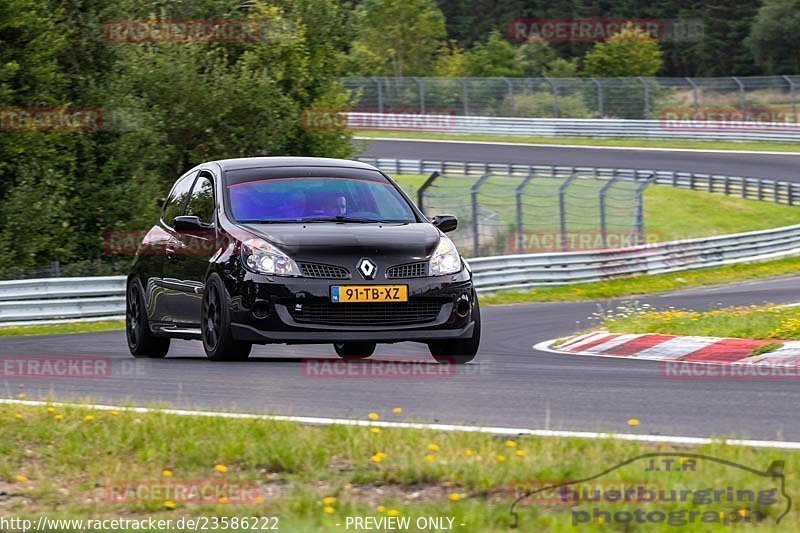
point(365, 314)
point(317, 270)
point(410, 270)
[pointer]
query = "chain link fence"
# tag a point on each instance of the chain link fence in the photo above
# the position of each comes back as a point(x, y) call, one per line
point(624, 98)
point(549, 209)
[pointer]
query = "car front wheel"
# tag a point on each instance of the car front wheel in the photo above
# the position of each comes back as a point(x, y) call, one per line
point(215, 325)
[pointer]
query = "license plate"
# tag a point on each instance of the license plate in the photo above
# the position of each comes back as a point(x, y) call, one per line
point(369, 293)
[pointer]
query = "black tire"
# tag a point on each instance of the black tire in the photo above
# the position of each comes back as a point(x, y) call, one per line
point(141, 341)
point(354, 350)
point(462, 350)
point(215, 325)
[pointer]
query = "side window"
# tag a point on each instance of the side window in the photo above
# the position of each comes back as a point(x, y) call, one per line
point(179, 193)
point(201, 203)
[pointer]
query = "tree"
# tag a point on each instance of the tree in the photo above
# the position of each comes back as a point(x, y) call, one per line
point(495, 58)
point(165, 107)
point(631, 52)
point(396, 38)
point(775, 37)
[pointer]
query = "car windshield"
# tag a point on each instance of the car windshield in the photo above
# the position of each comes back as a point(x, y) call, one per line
point(318, 199)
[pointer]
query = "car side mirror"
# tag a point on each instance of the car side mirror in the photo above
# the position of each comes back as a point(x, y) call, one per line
point(445, 223)
point(188, 223)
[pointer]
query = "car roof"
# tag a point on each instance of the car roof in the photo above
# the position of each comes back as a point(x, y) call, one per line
point(286, 161)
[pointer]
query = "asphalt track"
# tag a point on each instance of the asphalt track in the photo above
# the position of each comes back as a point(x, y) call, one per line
point(510, 384)
point(750, 165)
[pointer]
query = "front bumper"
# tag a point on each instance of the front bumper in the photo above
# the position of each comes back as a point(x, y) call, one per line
point(262, 310)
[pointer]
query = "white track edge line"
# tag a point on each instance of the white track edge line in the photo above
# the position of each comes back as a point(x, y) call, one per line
point(672, 439)
point(589, 147)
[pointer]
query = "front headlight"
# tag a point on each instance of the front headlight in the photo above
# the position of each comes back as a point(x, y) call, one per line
point(260, 256)
point(445, 259)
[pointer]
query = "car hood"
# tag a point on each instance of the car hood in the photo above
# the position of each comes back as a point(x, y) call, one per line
point(325, 241)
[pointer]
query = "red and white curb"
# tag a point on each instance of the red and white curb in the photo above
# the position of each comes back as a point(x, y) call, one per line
point(689, 349)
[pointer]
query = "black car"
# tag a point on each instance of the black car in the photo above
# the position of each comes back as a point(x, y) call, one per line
point(298, 250)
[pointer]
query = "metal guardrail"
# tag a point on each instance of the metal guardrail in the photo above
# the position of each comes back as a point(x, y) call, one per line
point(36, 300)
point(61, 298)
point(68, 298)
point(520, 271)
point(577, 127)
point(778, 191)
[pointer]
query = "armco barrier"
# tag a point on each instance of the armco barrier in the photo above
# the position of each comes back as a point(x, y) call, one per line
point(583, 127)
point(519, 271)
point(67, 298)
point(61, 298)
point(783, 192)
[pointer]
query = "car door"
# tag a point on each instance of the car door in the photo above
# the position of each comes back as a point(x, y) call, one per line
point(192, 251)
point(168, 283)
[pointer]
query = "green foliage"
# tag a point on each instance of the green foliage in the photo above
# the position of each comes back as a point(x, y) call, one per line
point(631, 52)
point(495, 58)
point(396, 37)
point(775, 37)
point(165, 108)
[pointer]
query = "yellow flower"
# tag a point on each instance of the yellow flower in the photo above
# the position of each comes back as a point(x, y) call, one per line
point(88, 418)
point(375, 430)
point(258, 499)
point(21, 395)
point(58, 417)
point(381, 508)
point(511, 443)
point(166, 473)
point(501, 458)
point(18, 416)
point(430, 458)
point(114, 412)
point(330, 500)
point(221, 468)
point(397, 410)
point(372, 416)
point(433, 447)
point(600, 520)
point(633, 422)
point(520, 453)
point(169, 504)
point(21, 479)
point(51, 410)
point(378, 457)
point(329, 510)
point(468, 452)
point(393, 512)
point(454, 496)
point(223, 500)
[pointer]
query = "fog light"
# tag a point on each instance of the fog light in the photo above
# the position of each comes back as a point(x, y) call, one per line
point(463, 305)
point(261, 309)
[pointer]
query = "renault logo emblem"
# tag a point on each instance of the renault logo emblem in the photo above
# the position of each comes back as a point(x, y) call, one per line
point(367, 268)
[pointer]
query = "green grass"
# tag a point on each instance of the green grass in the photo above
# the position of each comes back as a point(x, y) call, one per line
point(67, 327)
point(759, 146)
point(639, 285)
point(68, 468)
point(748, 322)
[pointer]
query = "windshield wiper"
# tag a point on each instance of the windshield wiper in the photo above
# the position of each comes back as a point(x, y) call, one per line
point(346, 219)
